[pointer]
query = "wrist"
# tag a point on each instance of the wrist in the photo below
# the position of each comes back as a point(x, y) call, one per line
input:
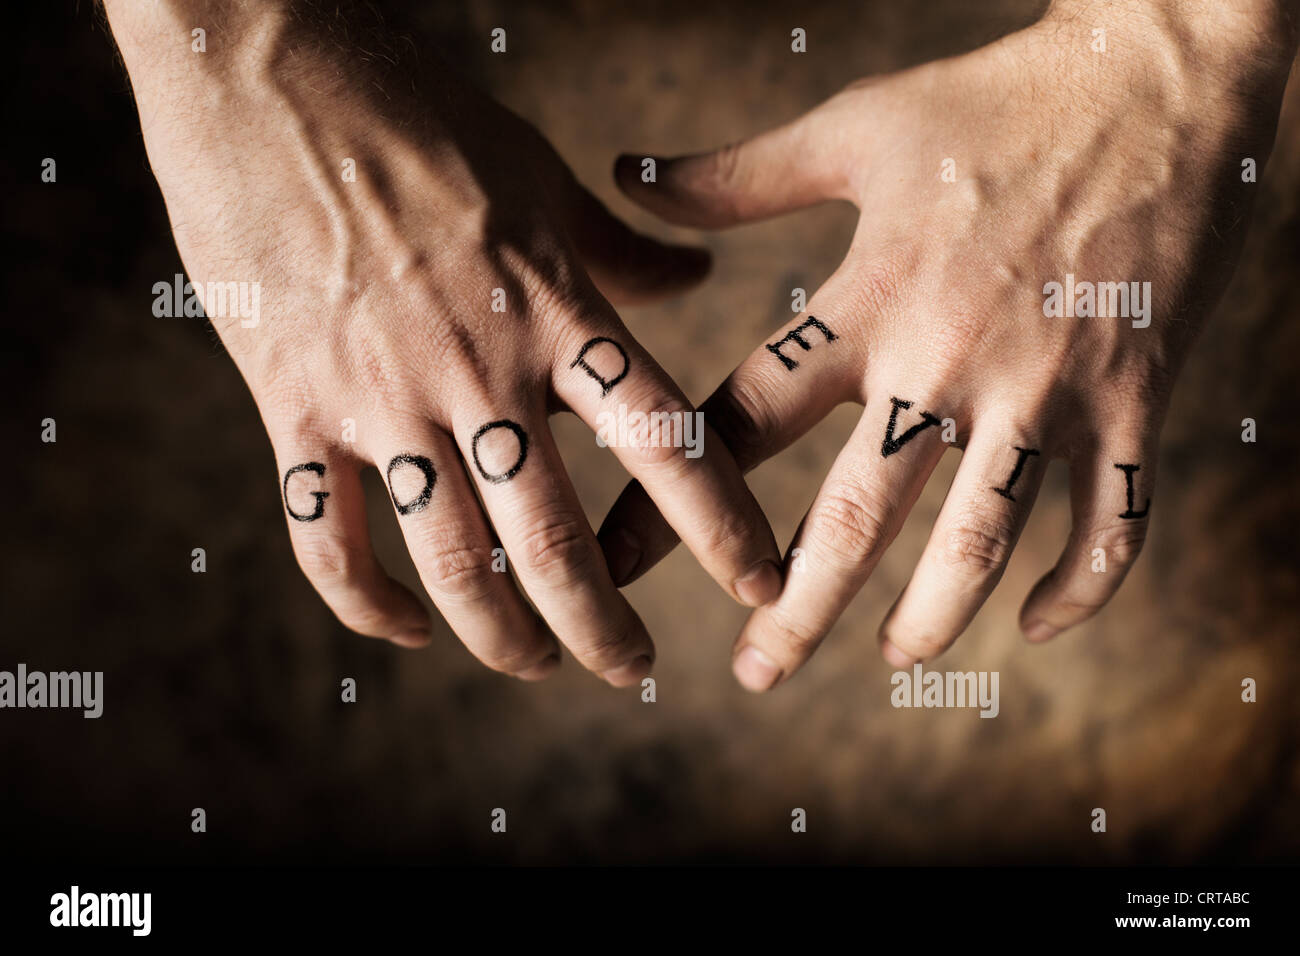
point(1213, 70)
point(196, 41)
point(259, 56)
point(1224, 36)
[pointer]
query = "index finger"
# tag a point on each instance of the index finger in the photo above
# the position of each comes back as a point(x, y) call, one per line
point(779, 392)
point(685, 468)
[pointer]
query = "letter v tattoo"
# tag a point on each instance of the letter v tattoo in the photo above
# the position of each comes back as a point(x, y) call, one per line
point(892, 444)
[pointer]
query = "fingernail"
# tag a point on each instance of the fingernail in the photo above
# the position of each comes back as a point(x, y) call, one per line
point(416, 637)
point(542, 669)
point(622, 556)
point(1040, 631)
point(894, 655)
point(755, 670)
point(629, 673)
point(760, 584)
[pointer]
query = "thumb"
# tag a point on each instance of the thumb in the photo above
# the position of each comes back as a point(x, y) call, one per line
point(776, 172)
point(626, 266)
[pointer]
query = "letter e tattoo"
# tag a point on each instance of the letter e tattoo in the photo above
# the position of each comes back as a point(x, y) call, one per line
point(794, 336)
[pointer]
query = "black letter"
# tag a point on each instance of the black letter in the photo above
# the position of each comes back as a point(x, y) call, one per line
point(605, 386)
point(320, 496)
point(1128, 484)
point(892, 444)
point(519, 462)
point(430, 476)
point(799, 340)
point(1005, 492)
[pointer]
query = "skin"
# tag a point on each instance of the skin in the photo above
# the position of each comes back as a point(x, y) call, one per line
point(1116, 167)
point(376, 306)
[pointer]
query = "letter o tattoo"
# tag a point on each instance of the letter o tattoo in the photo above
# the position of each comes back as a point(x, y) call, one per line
point(520, 434)
point(421, 501)
point(316, 468)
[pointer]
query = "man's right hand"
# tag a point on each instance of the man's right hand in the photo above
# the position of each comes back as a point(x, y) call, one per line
point(987, 183)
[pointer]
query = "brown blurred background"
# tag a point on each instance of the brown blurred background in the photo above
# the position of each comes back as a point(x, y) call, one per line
point(222, 689)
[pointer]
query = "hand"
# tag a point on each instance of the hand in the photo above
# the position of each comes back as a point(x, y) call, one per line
point(441, 299)
point(981, 180)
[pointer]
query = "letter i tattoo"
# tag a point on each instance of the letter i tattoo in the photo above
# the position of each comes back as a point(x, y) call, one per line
point(1021, 458)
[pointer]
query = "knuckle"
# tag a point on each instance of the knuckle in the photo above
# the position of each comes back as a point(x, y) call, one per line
point(717, 176)
point(852, 525)
point(1151, 378)
point(1076, 607)
point(980, 544)
point(510, 660)
point(558, 548)
point(329, 561)
point(880, 285)
point(721, 168)
point(918, 644)
point(459, 571)
point(365, 619)
point(1122, 543)
point(558, 284)
point(337, 569)
point(797, 637)
point(605, 649)
point(280, 366)
point(660, 439)
point(375, 370)
point(1074, 603)
point(293, 409)
point(728, 531)
point(454, 349)
point(544, 274)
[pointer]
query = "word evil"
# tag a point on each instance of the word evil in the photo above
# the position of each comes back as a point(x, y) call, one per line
point(624, 429)
point(73, 689)
point(946, 689)
point(1113, 300)
point(217, 300)
point(103, 909)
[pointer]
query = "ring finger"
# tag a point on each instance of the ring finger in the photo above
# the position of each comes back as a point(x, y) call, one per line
point(977, 528)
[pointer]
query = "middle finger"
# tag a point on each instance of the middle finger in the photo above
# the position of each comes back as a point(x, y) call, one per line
point(869, 491)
